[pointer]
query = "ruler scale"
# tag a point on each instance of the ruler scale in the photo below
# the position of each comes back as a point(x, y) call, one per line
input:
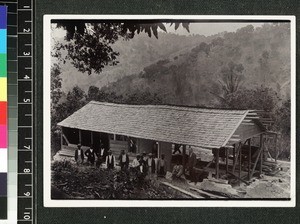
point(25, 112)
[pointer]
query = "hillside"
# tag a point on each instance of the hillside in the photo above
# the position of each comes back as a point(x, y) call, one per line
point(187, 70)
point(135, 55)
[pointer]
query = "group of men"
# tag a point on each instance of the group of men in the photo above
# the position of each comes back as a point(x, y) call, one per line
point(178, 169)
point(102, 156)
point(149, 165)
point(143, 163)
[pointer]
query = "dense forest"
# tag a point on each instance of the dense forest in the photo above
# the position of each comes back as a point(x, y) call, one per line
point(246, 69)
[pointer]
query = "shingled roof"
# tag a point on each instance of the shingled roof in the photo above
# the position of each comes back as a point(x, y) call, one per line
point(208, 128)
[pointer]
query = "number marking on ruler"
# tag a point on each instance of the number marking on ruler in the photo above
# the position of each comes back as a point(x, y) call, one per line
point(25, 113)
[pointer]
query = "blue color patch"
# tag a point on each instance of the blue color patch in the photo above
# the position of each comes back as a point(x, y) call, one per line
point(3, 41)
point(3, 17)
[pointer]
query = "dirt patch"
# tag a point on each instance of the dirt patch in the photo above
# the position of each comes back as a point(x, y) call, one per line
point(277, 186)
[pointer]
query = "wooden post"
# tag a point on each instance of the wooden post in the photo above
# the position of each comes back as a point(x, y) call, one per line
point(183, 156)
point(79, 132)
point(92, 139)
point(261, 154)
point(236, 158)
point(249, 158)
point(61, 137)
point(233, 153)
point(276, 149)
point(217, 163)
point(240, 164)
point(227, 159)
point(257, 158)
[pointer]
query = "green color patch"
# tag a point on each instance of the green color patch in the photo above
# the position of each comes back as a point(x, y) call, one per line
point(3, 65)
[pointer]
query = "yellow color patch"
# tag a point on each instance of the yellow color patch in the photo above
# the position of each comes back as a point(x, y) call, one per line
point(3, 89)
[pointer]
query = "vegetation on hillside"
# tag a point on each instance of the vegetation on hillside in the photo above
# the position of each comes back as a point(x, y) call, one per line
point(246, 69)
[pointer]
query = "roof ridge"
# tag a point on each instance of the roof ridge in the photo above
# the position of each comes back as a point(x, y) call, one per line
point(165, 106)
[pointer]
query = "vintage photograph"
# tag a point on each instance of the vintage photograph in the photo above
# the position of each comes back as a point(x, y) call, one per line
point(160, 109)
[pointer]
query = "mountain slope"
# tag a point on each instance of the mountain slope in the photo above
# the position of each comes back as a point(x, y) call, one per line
point(192, 74)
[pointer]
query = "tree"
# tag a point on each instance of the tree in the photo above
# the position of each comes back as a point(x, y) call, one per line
point(56, 91)
point(75, 100)
point(93, 93)
point(264, 65)
point(231, 77)
point(283, 118)
point(89, 43)
point(261, 98)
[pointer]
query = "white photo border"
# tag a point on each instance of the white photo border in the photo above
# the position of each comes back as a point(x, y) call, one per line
point(48, 202)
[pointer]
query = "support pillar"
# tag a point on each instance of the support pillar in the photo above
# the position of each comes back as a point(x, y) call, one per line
point(237, 156)
point(233, 153)
point(276, 149)
point(227, 152)
point(61, 137)
point(261, 154)
point(257, 158)
point(183, 156)
point(249, 158)
point(217, 162)
point(240, 164)
point(79, 132)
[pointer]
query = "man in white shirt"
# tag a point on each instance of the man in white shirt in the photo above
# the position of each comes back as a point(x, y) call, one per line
point(151, 165)
point(110, 160)
point(124, 160)
point(135, 163)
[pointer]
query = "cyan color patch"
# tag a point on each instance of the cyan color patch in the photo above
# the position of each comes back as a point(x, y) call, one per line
point(3, 42)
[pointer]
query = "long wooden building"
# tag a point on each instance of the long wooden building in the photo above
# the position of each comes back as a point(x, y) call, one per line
point(162, 126)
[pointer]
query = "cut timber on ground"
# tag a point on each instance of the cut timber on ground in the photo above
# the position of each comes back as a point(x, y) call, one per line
point(181, 190)
point(206, 193)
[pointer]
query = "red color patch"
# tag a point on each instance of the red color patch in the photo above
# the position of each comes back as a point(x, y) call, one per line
point(3, 113)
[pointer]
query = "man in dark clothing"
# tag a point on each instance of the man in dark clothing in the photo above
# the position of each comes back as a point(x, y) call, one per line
point(91, 155)
point(191, 164)
point(177, 149)
point(110, 160)
point(101, 155)
point(132, 147)
point(79, 156)
point(124, 160)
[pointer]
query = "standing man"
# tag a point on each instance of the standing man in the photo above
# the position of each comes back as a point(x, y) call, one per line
point(132, 147)
point(151, 165)
point(79, 156)
point(124, 160)
point(101, 155)
point(91, 155)
point(161, 166)
point(144, 163)
point(110, 160)
point(191, 164)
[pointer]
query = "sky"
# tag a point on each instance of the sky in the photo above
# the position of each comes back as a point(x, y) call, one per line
point(205, 29)
point(208, 29)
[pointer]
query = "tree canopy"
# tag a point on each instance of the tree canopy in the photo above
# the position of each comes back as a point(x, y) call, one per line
point(89, 43)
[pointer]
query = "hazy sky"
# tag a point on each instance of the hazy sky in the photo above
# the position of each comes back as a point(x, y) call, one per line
point(206, 29)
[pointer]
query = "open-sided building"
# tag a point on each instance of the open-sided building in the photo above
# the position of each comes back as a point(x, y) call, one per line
point(158, 127)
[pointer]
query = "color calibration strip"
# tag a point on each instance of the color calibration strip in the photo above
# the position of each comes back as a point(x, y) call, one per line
point(3, 112)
